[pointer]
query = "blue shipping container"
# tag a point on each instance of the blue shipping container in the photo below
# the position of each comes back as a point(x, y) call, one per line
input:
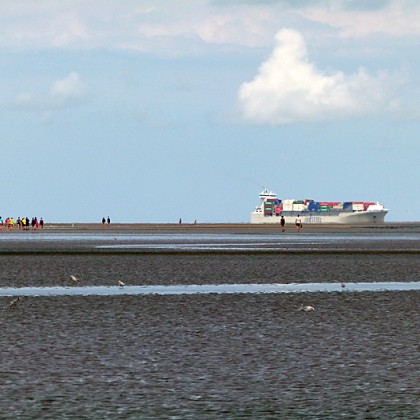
point(313, 206)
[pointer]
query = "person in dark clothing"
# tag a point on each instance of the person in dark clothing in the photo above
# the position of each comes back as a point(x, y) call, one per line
point(298, 223)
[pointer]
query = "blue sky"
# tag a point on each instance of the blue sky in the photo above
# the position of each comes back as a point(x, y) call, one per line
point(148, 111)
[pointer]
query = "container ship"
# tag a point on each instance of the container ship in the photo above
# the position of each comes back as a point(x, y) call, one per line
point(271, 209)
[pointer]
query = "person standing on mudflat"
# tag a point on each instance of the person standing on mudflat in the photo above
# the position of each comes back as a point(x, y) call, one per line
point(298, 223)
point(283, 223)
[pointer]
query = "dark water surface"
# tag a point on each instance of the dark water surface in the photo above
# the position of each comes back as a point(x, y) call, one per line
point(214, 355)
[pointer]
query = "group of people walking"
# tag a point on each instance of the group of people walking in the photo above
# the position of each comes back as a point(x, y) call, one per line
point(22, 223)
point(298, 223)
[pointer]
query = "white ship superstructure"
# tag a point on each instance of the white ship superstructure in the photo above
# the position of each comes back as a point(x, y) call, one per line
point(271, 209)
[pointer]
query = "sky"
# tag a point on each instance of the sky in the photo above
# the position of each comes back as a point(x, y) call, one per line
point(151, 110)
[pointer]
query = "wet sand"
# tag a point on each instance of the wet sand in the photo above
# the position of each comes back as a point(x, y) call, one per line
point(223, 227)
point(208, 356)
point(26, 270)
point(213, 356)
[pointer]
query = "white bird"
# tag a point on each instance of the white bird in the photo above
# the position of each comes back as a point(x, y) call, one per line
point(14, 302)
point(74, 279)
point(121, 283)
point(306, 308)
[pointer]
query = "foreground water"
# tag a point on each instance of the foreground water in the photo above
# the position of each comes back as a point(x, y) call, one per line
point(194, 289)
point(207, 355)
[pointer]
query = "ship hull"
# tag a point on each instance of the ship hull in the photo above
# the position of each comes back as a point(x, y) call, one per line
point(336, 217)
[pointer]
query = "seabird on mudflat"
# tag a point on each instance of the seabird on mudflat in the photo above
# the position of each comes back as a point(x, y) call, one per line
point(306, 308)
point(14, 302)
point(74, 279)
point(121, 283)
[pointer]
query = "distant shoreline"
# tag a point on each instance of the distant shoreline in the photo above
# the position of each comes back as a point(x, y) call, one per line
point(244, 228)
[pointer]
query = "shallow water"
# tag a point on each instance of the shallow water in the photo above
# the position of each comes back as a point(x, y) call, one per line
point(212, 242)
point(212, 354)
point(194, 289)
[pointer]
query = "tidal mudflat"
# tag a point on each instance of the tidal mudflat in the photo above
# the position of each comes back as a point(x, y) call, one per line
point(210, 355)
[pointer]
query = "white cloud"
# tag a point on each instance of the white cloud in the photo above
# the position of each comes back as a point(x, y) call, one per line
point(162, 26)
point(67, 89)
point(289, 88)
point(62, 92)
point(24, 98)
point(114, 25)
point(397, 18)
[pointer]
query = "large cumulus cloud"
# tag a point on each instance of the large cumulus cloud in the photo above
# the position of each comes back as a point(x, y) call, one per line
point(289, 88)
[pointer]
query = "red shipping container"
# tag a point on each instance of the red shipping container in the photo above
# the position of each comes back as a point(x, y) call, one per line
point(366, 205)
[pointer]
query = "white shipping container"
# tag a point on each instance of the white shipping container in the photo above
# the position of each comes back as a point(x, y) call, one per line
point(375, 207)
point(288, 202)
point(298, 207)
point(358, 207)
point(287, 207)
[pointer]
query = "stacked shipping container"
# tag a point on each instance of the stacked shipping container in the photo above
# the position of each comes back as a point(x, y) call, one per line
point(276, 206)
